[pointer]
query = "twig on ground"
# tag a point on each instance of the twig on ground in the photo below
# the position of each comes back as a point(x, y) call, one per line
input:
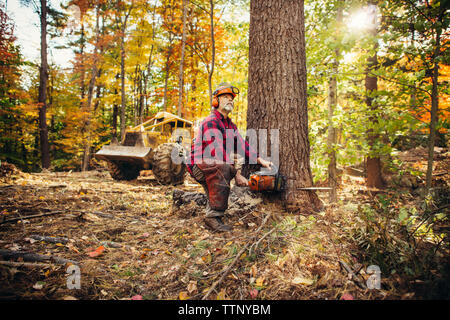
point(256, 244)
point(352, 275)
point(32, 216)
point(25, 264)
point(49, 239)
point(227, 270)
point(33, 257)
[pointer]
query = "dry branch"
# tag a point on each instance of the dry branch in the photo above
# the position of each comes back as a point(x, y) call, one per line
point(225, 273)
point(33, 257)
point(49, 239)
point(32, 216)
point(25, 264)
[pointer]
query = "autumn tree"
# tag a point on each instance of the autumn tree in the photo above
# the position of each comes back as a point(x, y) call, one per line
point(12, 122)
point(277, 92)
point(419, 45)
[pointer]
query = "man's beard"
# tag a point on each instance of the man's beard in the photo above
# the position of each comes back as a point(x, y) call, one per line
point(228, 107)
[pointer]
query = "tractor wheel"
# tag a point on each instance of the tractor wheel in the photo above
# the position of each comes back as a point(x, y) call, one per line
point(164, 169)
point(123, 170)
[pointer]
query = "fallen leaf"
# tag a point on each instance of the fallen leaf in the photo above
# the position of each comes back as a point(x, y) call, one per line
point(346, 296)
point(72, 247)
point(221, 295)
point(192, 286)
point(38, 285)
point(69, 298)
point(97, 252)
point(253, 270)
point(207, 258)
point(254, 293)
point(30, 240)
point(303, 281)
point(183, 295)
point(233, 276)
point(136, 297)
point(260, 281)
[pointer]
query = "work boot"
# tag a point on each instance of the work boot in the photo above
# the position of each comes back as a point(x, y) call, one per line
point(216, 224)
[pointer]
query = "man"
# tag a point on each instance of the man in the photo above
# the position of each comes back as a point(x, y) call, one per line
point(210, 163)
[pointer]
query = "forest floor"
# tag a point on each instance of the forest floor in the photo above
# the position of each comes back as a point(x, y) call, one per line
point(131, 242)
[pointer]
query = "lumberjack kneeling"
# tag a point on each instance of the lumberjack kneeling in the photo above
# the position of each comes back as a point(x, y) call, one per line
point(209, 161)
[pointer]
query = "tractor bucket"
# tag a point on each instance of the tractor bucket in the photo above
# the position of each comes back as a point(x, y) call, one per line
point(115, 152)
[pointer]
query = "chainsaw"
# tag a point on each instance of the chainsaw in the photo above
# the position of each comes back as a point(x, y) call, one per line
point(267, 180)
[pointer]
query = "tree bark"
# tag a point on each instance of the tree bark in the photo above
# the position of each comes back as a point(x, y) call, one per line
point(82, 67)
point(167, 70)
point(434, 111)
point(331, 141)
point(122, 86)
point(332, 102)
point(373, 162)
point(181, 73)
point(123, 28)
point(95, 73)
point(213, 54)
point(114, 121)
point(277, 93)
point(42, 99)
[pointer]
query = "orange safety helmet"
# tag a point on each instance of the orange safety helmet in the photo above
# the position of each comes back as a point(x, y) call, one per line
point(222, 89)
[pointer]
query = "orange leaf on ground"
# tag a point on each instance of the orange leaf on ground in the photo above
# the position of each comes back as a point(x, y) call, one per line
point(97, 252)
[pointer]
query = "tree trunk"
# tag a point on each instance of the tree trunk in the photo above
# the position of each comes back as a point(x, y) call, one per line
point(277, 93)
point(114, 121)
point(42, 99)
point(331, 142)
point(167, 70)
point(332, 102)
point(87, 142)
point(434, 111)
point(123, 28)
point(213, 55)
point(82, 69)
point(122, 86)
point(373, 162)
point(181, 75)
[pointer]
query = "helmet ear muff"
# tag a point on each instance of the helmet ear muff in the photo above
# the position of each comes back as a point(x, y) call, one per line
point(215, 102)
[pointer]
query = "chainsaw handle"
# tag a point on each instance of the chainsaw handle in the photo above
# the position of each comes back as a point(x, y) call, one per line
point(272, 171)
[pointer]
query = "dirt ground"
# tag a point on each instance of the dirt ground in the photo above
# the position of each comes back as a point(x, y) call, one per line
point(131, 242)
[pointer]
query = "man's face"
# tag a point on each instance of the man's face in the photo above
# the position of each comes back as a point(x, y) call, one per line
point(226, 102)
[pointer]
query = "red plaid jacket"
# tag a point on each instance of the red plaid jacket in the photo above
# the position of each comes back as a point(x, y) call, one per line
point(211, 141)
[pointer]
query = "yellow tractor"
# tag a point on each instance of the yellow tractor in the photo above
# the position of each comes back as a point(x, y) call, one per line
point(158, 144)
